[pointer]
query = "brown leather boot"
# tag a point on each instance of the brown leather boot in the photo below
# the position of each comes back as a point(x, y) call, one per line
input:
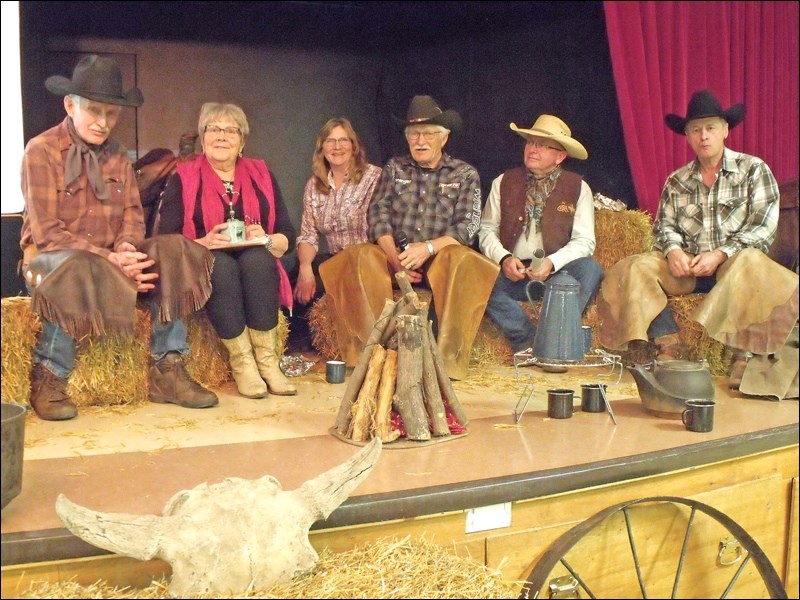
point(738, 365)
point(169, 382)
point(49, 395)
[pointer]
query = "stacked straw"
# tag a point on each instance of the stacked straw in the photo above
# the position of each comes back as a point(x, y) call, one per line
point(386, 568)
point(112, 370)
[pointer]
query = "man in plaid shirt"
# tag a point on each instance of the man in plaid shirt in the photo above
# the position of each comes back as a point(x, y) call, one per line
point(85, 257)
point(716, 221)
point(423, 218)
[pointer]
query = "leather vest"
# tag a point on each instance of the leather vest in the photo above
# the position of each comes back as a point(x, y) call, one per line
point(558, 215)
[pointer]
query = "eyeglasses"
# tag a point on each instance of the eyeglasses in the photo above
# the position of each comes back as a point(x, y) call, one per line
point(227, 131)
point(333, 142)
point(428, 135)
point(541, 146)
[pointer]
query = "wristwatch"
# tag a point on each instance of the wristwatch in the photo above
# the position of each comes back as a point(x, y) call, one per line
point(429, 244)
point(268, 243)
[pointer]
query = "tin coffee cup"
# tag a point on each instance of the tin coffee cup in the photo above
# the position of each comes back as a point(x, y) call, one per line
point(235, 230)
point(699, 415)
point(334, 371)
point(559, 403)
point(592, 397)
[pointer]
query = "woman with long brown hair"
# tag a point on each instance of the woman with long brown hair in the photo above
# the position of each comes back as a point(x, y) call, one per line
point(335, 205)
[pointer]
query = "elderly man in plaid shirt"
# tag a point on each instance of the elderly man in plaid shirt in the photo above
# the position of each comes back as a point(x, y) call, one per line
point(423, 218)
point(85, 256)
point(716, 221)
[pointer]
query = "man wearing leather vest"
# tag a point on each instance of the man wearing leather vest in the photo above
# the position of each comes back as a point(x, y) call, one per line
point(538, 220)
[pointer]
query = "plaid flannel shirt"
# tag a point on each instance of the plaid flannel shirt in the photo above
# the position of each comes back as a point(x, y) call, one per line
point(739, 211)
point(340, 215)
point(426, 203)
point(63, 215)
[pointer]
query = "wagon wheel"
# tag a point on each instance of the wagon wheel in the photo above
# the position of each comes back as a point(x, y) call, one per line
point(684, 547)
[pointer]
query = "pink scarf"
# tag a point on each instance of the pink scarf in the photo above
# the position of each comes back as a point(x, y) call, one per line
point(248, 171)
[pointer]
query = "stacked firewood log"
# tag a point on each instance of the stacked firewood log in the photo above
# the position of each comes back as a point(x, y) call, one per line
point(399, 387)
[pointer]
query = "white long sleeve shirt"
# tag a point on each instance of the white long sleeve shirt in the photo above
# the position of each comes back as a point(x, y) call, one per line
point(581, 243)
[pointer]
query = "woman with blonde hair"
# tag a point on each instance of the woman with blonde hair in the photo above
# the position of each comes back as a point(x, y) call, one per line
point(248, 281)
point(335, 203)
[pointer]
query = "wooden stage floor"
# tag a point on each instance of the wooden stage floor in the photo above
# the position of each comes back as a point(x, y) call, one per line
point(133, 460)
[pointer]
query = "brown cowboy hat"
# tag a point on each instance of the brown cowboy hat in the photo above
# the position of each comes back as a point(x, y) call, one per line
point(548, 126)
point(97, 78)
point(703, 104)
point(424, 110)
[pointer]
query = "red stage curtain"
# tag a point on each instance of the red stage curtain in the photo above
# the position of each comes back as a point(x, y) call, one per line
point(662, 52)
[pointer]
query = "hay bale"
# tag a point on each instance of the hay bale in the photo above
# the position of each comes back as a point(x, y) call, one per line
point(207, 361)
point(694, 336)
point(112, 370)
point(323, 336)
point(386, 568)
point(20, 329)
point(320, 322)
point(619, 234)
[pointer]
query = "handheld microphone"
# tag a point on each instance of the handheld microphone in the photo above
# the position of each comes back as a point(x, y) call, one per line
point(401, 240)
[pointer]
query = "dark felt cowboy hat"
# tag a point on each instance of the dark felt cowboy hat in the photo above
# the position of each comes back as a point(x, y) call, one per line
point(703, 104)
point(424, 110)
point(97, 78)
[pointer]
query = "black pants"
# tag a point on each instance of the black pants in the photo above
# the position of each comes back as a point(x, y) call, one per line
point(300, 338)
point(244, 291)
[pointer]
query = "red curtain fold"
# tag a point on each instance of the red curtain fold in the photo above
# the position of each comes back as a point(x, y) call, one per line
point(663, 52)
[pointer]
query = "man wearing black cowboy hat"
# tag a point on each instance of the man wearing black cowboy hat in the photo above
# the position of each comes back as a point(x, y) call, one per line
point(423, 217)
point(85, 258)
point(716, 221)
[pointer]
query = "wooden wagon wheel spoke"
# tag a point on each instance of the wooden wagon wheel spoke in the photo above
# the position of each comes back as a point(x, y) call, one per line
point(558, 550)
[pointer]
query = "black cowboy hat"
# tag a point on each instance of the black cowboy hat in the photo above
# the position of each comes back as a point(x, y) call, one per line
point(97, 78)
point(424, 110)
point(704, 104)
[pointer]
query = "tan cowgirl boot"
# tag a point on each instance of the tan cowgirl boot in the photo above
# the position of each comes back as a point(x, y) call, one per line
point(243, 365)
point(265, 345)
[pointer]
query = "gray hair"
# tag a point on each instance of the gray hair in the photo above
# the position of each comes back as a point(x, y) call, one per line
point(210, 111)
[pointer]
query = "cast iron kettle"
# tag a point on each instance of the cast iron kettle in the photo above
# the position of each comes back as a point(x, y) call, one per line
point(666, 385)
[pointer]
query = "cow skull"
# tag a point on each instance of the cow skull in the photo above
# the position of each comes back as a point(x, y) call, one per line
point(229, 537)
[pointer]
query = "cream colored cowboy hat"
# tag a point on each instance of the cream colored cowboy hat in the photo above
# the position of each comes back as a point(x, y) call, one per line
point(548, 126)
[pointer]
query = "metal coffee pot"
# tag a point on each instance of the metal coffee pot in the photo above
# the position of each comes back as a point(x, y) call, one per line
point(665, 386)
point(559, 335)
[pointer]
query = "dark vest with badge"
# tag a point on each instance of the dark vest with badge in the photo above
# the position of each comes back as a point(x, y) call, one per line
point(557, 217)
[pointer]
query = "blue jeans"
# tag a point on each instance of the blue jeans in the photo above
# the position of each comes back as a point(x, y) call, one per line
point(505, 311)
point(56, 348)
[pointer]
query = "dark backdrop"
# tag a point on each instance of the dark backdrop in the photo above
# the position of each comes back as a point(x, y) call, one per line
point(295, 64)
